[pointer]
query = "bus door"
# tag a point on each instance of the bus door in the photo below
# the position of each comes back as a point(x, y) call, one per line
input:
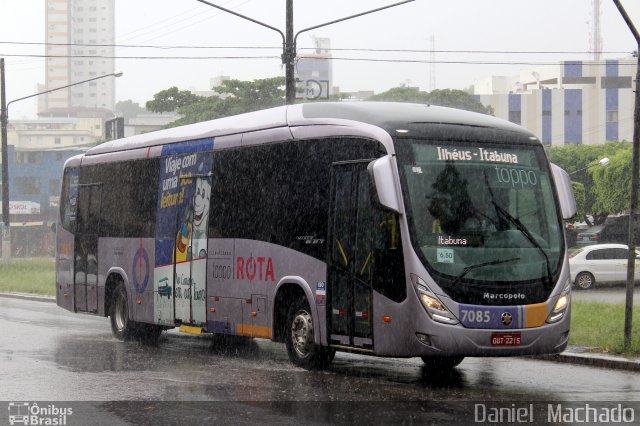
point(350, 233)
point(86, 248)
point(190, 249)
point(182, 219)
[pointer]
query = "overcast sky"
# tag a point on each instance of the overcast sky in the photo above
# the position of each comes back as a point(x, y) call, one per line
point(516, 26)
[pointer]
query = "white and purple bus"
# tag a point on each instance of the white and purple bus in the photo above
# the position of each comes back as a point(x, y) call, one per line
point(388, 229)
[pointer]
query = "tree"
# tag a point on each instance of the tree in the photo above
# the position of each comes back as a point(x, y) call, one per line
point(233, 97)
point(170, 100)
point(578, 193)
point(246, 96)
point(612, 184)
point(447, 97)
point(580, 161)
point(457, 99)
point(402, 94)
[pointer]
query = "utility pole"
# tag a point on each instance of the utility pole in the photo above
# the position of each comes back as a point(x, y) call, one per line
point(6, 237)
point(289, 40)
point(289, 57)
point(635, 166)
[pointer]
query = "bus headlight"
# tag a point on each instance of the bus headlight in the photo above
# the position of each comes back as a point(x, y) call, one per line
point(434, 307)
point(560, 308)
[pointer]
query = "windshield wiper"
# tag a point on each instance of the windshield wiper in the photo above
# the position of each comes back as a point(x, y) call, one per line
point(481, 265)
point(522, 228)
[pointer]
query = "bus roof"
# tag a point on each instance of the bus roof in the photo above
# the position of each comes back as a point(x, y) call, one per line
point(388, 116)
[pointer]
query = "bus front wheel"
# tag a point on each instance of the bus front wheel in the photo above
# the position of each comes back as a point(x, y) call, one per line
point(121, 325)
point(440, 363)
point(299, 339)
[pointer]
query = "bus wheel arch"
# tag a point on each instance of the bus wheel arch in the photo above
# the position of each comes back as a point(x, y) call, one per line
point(114, 279)
point(286, 294)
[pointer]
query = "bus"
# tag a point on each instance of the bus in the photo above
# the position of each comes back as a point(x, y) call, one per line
point(387, 229)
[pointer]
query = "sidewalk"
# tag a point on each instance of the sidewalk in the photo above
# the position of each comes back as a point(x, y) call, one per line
point(586, 356)
point(572, 355)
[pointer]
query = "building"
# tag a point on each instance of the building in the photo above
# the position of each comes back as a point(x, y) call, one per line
point(34, 195)
point(77, 30)
point(149, 122)
point(574, 102)
point(55, 132)
point(314, 72)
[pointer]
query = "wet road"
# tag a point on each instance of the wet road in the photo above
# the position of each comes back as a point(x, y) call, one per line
point(48, 354)
point(612, 294)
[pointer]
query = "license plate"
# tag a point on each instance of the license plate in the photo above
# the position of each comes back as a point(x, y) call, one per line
point(506, 339)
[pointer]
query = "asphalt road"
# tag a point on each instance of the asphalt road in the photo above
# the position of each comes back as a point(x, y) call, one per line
point(57, 357)
point(612, 294)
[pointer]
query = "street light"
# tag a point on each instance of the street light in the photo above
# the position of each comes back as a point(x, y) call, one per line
point(289, 39)
point(4, 119)
point(603, 162)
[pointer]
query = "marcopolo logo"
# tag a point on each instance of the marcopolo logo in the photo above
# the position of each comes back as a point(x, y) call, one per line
point(25, 413)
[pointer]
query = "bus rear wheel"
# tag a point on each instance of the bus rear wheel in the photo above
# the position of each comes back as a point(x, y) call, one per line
point(441, 362)
point(121, 326)
point(299, 339)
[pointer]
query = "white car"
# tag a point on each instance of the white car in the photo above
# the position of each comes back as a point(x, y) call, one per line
point(602, 264)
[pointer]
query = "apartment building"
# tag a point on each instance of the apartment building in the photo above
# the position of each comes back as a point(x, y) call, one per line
point(80, 37)
point(574, 102)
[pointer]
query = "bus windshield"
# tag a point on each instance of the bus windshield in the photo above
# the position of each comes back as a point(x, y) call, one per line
point(481, 213)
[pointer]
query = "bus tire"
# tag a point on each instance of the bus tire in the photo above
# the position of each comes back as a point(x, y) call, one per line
point(441, 362)
point(299, 339)
point(121, 325)
point(148, 334)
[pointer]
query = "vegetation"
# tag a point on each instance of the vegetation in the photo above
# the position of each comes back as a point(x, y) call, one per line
point(601, 326)
point(237, 97)
point(233, 97)
point(599, 190)
point(28, 276)
point(446, 97)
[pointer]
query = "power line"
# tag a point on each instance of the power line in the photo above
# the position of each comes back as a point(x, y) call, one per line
point(169, 24)
point(136, 57)
point(347, 49)
point(145, 46)
point(332, 58)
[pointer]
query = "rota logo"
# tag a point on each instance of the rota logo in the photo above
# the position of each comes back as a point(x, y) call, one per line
point(260, 268)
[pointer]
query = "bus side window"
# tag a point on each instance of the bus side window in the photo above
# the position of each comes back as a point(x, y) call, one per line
point(389, 277)
point(69, 199)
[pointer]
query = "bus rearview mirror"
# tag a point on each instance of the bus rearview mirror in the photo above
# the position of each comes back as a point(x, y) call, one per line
point(382, 176)
point(565, 192)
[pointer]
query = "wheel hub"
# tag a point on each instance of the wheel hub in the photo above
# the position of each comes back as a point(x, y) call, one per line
point(302, 333)
point(121, 314)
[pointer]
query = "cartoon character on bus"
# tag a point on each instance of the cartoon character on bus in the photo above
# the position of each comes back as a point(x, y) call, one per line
point(183, 238)
point(191, 239)
point(201, 203)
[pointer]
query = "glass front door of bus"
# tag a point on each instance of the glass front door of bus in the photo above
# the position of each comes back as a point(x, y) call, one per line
point(350, 261)
point(189, 213)
point(86, 248)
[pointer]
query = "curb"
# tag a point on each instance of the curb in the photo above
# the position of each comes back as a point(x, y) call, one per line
point(593, 360)
point(29, 296)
